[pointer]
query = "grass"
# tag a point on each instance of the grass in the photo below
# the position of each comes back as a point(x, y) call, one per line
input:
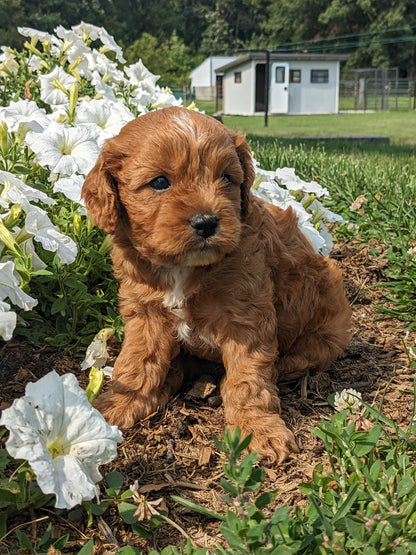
point(398, 126)
point(385, 176)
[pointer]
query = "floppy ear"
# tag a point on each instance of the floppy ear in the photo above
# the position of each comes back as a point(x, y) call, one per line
point(100, 189)
point(246, 161)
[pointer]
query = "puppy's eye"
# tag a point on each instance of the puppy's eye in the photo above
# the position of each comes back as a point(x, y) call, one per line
point(160, 183)
point(225, 178)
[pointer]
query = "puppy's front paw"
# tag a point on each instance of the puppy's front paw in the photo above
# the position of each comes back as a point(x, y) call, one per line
point(271, 438)
point(122, 410)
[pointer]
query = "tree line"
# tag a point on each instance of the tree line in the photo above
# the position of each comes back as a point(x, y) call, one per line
point(173, 36)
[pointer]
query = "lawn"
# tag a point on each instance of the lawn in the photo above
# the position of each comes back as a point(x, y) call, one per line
point(398, 126)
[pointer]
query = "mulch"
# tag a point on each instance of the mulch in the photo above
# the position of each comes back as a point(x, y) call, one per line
point(172, 451)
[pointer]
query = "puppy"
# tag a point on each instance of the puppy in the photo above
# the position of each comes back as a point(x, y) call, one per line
point(207, 267)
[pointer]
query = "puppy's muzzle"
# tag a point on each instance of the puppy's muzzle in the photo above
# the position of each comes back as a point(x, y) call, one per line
point(204, 225)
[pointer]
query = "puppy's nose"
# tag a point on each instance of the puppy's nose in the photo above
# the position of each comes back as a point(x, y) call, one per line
point(204, 225)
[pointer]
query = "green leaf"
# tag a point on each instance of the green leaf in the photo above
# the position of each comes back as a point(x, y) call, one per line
point(126, 512)
point(46, 536)
point(228, 486)
point(345, 508)
point(244, 444)
point(366, 441)
point(88, 548)
point(24, 541)
point(114, 479)
point(141, 531)
point(405, 486)
point(375, 470)
point(99, 509)
point(61, 542)
point(265, 499)
point(197, 508)
point(128, 550)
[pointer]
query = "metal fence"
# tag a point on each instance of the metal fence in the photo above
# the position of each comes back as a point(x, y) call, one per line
point(186, 93)
point(376, 90)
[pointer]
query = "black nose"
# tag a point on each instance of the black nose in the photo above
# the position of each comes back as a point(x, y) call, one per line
point(204, 225)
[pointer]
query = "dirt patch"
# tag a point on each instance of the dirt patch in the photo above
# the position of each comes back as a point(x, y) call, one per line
point(172, 452)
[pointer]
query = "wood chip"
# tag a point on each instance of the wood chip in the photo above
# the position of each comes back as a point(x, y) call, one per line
point(204, 456)
point(202, 388)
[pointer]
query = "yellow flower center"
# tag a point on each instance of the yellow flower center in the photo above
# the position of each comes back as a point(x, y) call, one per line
point(56, 448)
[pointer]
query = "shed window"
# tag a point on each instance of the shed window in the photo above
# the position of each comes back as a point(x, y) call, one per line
point(319, 76)
point(280, 74)
point(237, 77)
point(295, 76)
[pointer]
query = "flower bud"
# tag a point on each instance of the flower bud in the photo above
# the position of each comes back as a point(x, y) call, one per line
point(77, 224)
point(3, 138)
point(73, 99)
point(96, 378)
point(33, 49)
point(13, 216)
point(57, 84)
point(7, 238)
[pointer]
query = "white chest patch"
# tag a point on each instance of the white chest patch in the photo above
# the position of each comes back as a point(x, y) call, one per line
point(175, 298)
point(175, 301)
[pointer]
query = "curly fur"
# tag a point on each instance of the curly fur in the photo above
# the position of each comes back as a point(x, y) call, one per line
point(250, 293)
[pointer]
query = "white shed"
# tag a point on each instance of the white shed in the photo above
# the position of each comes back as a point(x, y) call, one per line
point(298, 83)
point(204, 77)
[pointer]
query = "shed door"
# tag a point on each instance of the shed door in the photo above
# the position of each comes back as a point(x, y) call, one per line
point(279, 88)
point(260, 88)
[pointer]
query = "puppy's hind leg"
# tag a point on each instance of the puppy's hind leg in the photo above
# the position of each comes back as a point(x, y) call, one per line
point(315, 350)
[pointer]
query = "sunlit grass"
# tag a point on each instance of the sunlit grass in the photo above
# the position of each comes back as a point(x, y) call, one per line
point(386, 176)
point(398, 126)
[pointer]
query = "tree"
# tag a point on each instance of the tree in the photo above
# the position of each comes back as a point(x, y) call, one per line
point(171, 59)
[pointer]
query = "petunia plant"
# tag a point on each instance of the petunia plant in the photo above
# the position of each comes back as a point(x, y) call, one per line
point(61, 97)
point(55, 428)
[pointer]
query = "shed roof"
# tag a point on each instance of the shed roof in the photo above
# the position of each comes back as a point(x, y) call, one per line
point(283, 57)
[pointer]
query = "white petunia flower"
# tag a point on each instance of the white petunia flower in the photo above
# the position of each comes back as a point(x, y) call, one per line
point(9, 287)
point(23, 116)
point(347, 399)
point(50, 93)
point(110, 44)
point(7, 321)
point(38, 224)
point(71, 44)
point(71, 187)
point(318, 207)
point(141, 99)
point(87, 31)
point(140, 76)
point(65, 150)
point(35, 62)
point(292, 182)
point(62, 436)
point(8, 64)
point(103, 117)
point(104, 90)
point(34, 34)
point(163, 98)
point(17, 192)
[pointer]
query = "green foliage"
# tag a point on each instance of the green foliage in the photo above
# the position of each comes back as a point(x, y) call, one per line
point(374, 33)
point(169, 58)
point(365, 505)
point(18, 491)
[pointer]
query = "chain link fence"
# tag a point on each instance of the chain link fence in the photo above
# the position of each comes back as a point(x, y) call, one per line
point(376, 90)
